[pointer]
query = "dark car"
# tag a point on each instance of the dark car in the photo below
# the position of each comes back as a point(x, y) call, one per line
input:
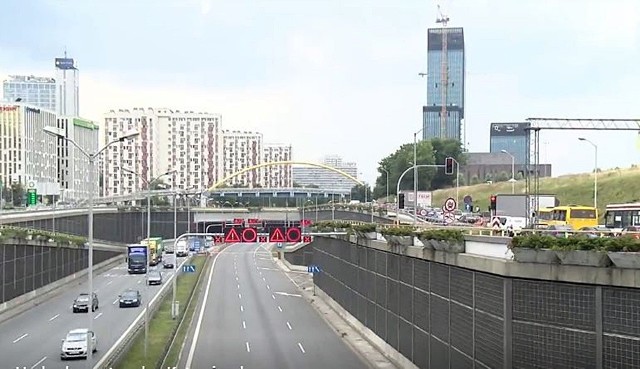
point(130, 298)
point(154, 277)
point(81, 303)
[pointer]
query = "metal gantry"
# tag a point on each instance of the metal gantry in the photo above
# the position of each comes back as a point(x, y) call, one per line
point(537, 124)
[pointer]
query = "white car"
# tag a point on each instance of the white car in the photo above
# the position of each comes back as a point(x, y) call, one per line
point(75, 344)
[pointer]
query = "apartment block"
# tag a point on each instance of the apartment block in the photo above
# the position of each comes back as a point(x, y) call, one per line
point(74, 168)
point(241, 150)
point(277, 176)
point(327, 179)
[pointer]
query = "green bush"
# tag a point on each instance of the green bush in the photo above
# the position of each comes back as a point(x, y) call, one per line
point(452, 235)
point(538, 242)
point(398, 231)
point(42, 236)
point(364, 228)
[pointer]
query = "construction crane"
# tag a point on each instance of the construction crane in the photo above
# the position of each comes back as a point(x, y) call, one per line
point(444, 72)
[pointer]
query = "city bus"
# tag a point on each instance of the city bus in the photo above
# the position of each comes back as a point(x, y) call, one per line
point(545, 216)
point(619, 216)
point(575, 216)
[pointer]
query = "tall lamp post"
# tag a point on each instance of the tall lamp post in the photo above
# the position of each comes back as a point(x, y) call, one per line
point(595, 172)
point(387, 173)
point(59, 132)
point(415, 175)
point(513, 170)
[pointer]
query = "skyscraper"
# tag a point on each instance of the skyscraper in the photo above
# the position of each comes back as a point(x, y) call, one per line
point(512, 138)
point(454, 67)
point(31, 90)
point(67, 86)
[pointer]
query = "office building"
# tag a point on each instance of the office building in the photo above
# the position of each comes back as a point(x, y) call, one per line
point(481, 167)
point(511, 137)
point(39, 92)
point(280, 176)
point(26, 151)
point(453, 67)
point(327, 179)
point(190, 143)
point(74, 168)
point(67, 87)
point(241, 150)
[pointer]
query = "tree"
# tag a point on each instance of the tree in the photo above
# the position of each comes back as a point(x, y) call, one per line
point(442, 150)
point(361, 193)
point(17, 193)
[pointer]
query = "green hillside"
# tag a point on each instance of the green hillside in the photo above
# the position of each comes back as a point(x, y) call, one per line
point(614, 186)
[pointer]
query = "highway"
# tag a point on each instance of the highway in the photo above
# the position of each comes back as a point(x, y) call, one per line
point(33, 339)
point(254, 317)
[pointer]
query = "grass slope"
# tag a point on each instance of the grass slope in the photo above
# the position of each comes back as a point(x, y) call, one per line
point(614, 186)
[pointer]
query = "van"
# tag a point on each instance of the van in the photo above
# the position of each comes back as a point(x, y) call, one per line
point(504, 222)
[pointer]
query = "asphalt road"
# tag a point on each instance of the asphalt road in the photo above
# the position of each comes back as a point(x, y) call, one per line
point(254, 317)
point(33, 339)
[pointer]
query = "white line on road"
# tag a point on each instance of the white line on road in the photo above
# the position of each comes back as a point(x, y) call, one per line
point(21, 337)
point(244, 324)
point(268, 287)
point(273, 296)
point(236, 278)
point(289, 326)
point(264, 279)
point(241, 308)
point(269, 269)
point(108, 283)
point(239, 295)
point(97, 316)
point(39, 362)
point(114, 301)
point(301, 348)
point(238, 285)
point(53, 317)
point(248, 348)
point(140, 281)
point(288, 294)
point(279, 308)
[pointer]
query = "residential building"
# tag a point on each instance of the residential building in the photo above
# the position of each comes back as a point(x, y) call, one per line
point(39, 92)
point(68, 87)
point(26, 150)
point(134, 154)
point(241, 150)
point(74, 168)
point(277, 176)
point(190, 143)
point(324, 178)
point(452, 65)
point(512, 138)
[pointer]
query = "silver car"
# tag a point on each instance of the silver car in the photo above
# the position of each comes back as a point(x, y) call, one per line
point(154, 277)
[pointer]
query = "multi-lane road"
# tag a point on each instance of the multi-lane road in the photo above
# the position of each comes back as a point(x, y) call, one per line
point(33, 339)
point(252, 316)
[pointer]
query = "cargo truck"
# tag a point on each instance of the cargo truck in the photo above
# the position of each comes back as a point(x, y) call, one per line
point(155, 249)
point(137, 259)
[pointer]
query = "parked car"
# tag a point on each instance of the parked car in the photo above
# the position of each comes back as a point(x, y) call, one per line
point(130, 298)
point(154, 277)
point(74, 345)
point(81, 303)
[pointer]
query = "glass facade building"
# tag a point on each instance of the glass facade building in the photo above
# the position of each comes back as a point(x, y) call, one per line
point(35, 91)
point(511, 137)
point(455, 87)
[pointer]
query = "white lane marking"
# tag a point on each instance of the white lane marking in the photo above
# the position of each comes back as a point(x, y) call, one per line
point(264, 279)
point(114, 301)
point(237, 278)
point(244, 324)
point(39, 362)
point(241, 308)
point(238, 285)
point(268, 287)
point(279, 308)
point(108, 283)
point(289, 326)
point(301, 348)
point(192, 349)
point(274, 269)
point(53, 317)
point(248, 348)
point(239, 295)
point(97, 316)
point(21, 337)
point(273, 296)
point(288, 294)
point(140, 281)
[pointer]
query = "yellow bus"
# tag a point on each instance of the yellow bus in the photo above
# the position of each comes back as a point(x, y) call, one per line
point(575, 216)
point(545, 216)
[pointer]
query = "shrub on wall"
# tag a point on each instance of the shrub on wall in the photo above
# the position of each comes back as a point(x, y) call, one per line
point(612, 244)
point(398, 231)
point(23, 234)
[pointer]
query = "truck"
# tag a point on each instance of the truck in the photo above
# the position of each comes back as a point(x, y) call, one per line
point(515, 205)
point(181, 248)
point(155, 249)
point(137, 259)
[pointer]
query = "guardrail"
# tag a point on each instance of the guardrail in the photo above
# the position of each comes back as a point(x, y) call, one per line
point(125, 341)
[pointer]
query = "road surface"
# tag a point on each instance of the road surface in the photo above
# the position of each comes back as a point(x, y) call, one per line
point(254, 317)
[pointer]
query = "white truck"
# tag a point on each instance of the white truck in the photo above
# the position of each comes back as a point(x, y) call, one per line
point(181, 248)
point(169, 260)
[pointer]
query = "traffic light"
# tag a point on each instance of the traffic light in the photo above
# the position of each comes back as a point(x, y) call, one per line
point(32, 197)
point(493, 202)
point(448, 165)
point(401, 201)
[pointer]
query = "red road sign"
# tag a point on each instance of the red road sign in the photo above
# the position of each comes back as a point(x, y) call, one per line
point(263, 239)
point(305, 222)
point(218, 239)
point(307, 239)
point(238, 221)
point(249, 235)
point(277, 235)
point(231, 235)
point(294, 234)
point(253, 221)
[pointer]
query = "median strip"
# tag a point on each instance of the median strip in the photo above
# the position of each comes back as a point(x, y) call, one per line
point(162, 327)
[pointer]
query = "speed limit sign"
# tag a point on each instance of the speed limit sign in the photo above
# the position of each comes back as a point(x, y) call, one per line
point(450, 205)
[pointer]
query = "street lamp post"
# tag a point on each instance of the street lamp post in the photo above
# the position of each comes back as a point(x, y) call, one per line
point(59, 132)
point(415, 175)
point(387, 173)
point(400, 181)
point(513, 170)
point(595, 172)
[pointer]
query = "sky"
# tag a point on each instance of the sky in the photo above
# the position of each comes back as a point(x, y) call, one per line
point(341, 76)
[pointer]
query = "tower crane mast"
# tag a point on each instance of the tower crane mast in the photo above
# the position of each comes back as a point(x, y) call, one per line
point(444, 72)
